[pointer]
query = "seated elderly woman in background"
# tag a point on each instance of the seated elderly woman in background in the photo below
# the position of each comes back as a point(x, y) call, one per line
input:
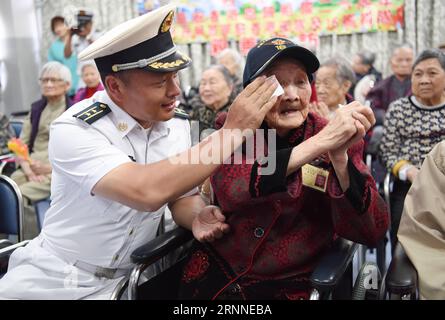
point(413, 126)
point(214, 96)
point(280, 224)
point(91, 78)
point(233, 61)
point(34, 177)
point(332, 82)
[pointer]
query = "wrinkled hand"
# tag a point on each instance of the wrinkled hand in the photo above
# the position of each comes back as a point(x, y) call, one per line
point(39, 168)
point(251, 105)
point(209, 224)
point(411, 174)
point(348, 126)
point(321, 108)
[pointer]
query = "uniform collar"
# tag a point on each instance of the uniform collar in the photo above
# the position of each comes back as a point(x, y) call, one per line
point(124, 123)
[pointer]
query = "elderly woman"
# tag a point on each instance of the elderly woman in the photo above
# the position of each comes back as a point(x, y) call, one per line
point(413, 126)
point(333, 81)
point(214, 96)
point(233, 61)
point(422, 227)
point(280, 224)
point(34, 178)
point(91, 78)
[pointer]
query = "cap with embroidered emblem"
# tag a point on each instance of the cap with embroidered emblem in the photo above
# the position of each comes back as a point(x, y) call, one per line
point(144, 42)
point(265, 52)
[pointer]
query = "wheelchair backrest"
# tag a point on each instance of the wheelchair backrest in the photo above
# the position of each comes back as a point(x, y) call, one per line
point(11, 208)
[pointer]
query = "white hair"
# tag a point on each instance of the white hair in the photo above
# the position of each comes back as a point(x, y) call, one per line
point(236, 56)
point(57, 68)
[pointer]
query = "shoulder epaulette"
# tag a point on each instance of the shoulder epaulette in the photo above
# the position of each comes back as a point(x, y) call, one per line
point(93, 112)
point(179, 113)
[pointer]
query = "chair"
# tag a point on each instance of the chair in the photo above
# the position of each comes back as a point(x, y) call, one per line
point(41, 207)
point(11, 208)
point(5, 253)
point(6, 161)
point(17, 125)
point(401, 279)
point(332, 279)
point(378, 171)
point(11, 219)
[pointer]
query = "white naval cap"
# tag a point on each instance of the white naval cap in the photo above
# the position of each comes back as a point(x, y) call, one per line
point(142, 42)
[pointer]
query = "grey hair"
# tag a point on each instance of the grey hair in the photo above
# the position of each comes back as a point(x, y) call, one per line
point(367, 57)
point(402, 46)
point(224, 71)
point(430, 54)
point(57, 68)
point(86, 64)
point(235, 55)
point(343, 69)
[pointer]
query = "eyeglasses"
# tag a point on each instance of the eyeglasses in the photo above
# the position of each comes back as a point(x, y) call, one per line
point(52, 80)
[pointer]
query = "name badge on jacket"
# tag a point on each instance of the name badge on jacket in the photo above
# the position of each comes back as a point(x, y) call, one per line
point(314, 177)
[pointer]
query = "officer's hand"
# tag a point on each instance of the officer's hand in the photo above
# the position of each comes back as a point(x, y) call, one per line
point(252, 104)
point(209, 224)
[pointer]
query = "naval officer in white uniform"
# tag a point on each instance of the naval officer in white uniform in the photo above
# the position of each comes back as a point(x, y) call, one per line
point(111, 176)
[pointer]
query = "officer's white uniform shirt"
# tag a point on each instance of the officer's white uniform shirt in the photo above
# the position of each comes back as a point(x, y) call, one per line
point(80, 226)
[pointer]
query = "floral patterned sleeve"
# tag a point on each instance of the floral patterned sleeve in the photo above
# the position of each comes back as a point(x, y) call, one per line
point(359, 214)
point(391, 140)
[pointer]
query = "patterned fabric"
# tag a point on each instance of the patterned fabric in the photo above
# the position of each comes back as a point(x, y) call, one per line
point(6, 133)
point(277, 239)
point(203, 114)
point(410, 132)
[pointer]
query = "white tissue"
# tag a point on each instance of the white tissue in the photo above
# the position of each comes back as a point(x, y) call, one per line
point(279, 91)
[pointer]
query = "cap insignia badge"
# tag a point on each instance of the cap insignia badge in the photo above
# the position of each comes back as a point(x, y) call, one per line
point(166, 24)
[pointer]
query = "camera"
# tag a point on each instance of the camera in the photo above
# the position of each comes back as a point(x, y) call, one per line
point(83, 18)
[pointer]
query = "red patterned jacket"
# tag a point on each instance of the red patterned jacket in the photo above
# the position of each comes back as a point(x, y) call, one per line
point(280, 228)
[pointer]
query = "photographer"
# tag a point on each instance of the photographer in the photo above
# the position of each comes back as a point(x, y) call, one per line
point(80, 37)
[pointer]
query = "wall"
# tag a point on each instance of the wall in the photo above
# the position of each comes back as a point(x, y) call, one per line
point(19, 55)
point(423, 29)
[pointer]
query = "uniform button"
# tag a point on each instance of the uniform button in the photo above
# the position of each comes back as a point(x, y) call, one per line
point(235, 289)
point(131, 231)
point(116, 257)
point(259, 232)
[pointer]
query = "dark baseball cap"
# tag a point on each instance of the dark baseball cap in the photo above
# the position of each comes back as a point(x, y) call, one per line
point(266, 52)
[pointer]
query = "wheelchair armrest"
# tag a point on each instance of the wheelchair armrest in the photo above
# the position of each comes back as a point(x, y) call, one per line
point(7, 156)
point(401, 277)
point(6, 251)
point(333, 265)
point(161, 246)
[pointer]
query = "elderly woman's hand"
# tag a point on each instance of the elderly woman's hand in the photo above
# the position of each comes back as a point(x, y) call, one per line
point(209, 224)
point(347, 127)
point(40, 168)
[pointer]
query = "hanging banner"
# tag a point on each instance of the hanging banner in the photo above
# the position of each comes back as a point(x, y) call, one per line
point(247, 21)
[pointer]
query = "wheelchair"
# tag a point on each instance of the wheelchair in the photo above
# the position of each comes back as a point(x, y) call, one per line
point(11, 219)
point(401, 280)
point(382, 179)
point(331, 279)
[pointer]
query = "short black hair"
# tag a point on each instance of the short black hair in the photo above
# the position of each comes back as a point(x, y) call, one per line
point(367, 57)
point(55, 20)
